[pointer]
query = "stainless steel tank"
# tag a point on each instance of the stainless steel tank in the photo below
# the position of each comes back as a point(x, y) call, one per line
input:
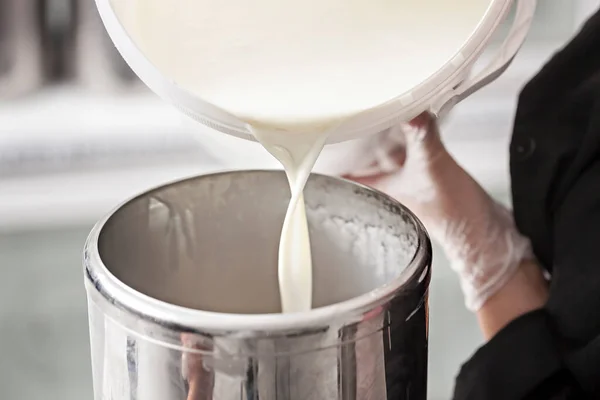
point(184, 302)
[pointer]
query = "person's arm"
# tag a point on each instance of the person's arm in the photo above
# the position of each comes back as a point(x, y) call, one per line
point(544, 342)
point(526, 291)
point(554, 352)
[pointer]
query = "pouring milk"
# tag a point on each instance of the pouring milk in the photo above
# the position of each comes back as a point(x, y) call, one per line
point(293, 71)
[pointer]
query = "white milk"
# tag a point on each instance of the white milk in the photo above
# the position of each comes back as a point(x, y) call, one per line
point(293, 70)
point(298, 154)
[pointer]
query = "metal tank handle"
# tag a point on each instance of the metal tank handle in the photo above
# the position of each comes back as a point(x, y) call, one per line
point(512, 44)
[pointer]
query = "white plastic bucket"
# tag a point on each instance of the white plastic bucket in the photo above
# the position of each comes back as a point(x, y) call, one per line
point(442, 90)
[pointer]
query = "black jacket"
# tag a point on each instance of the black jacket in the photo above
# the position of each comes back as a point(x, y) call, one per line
point(554, 353)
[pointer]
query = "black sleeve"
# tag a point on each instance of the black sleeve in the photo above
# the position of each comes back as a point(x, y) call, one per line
point(554, 353)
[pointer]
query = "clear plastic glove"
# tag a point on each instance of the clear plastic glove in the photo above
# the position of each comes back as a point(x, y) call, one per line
point(477, 234)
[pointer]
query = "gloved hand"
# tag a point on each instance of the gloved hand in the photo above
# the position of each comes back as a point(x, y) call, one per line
point(477, 234)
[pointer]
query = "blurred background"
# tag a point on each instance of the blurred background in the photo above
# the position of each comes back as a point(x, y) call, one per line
point(79, 133)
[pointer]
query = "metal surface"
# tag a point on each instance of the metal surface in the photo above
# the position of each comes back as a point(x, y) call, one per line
point(210, 244)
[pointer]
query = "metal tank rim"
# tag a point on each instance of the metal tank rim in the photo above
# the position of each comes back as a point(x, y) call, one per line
point(98, 278)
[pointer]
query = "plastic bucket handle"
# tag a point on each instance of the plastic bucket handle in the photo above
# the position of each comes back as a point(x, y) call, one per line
point(511, 45)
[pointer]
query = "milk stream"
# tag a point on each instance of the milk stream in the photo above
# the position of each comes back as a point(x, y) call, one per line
point(298, 154)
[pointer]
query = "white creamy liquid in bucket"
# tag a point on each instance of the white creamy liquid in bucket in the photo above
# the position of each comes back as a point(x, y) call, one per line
point(294, 70)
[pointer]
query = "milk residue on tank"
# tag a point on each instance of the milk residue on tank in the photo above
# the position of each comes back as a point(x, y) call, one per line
point(294, 71)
